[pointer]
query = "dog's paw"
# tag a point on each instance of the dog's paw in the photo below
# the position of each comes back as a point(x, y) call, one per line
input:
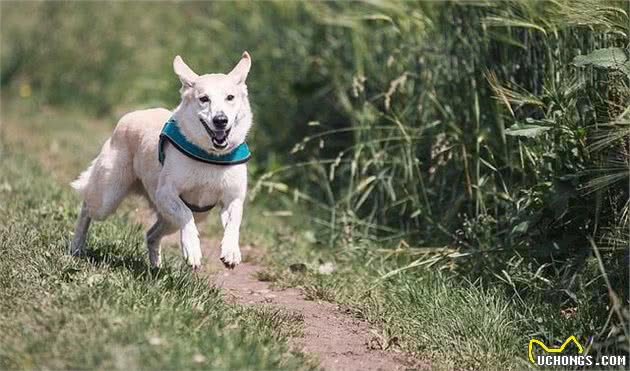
point(230, 256)
point(75, 248)
point(191, 252)
point(75, 251)
point(155, 257)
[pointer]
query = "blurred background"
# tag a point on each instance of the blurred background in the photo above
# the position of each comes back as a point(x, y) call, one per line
point(489, 137)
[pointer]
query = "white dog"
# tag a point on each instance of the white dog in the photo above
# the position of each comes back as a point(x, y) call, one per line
point(183, 168)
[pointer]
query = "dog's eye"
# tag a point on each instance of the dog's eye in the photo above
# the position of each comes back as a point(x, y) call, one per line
point(204, 99)
point(230, 97)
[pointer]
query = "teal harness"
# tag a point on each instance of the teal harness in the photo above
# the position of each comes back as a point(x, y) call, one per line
point(240, 154)
point(171, 133)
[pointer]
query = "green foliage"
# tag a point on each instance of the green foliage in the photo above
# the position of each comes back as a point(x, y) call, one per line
point(526, 130)
point(477, 128)
point(481, 124)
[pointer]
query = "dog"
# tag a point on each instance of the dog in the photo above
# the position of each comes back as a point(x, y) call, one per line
point(182, 161)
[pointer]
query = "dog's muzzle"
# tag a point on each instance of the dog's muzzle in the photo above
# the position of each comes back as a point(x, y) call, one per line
point(219, 137)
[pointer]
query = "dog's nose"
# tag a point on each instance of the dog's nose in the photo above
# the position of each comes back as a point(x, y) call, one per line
point(220, 120)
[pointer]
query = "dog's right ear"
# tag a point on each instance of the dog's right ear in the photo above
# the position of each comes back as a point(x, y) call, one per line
point(240, 71)
point(185, 74)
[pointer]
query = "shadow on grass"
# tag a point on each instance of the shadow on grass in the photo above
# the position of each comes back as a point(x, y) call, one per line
point(106, 255)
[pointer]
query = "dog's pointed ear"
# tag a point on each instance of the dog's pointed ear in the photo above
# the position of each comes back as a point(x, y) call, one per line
point(185, 74)
point(240, 71)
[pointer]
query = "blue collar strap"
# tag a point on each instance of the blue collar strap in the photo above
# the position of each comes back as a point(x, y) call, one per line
point(240, 154)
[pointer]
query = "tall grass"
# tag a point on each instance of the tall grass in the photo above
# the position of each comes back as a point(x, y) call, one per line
point(468, 124)
point(495, 132)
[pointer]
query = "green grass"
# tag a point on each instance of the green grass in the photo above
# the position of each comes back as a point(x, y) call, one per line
point(108, 310)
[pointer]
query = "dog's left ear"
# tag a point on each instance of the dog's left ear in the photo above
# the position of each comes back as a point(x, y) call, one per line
point(240, 71)
point(186, 75)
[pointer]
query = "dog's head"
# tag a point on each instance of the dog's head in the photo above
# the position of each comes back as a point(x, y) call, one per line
point(214, 112)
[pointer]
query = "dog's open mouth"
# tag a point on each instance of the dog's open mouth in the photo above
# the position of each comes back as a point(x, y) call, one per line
point(219, 138)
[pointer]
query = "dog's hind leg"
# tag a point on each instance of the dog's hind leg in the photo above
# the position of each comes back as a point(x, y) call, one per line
point(153, 238)
point(107, 181)
point(102, 186)
point(80, 231)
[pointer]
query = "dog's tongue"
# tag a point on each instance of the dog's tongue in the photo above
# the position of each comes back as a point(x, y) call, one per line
point(220, 135)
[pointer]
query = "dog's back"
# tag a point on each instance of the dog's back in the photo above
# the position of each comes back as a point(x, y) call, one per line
point(129, 155)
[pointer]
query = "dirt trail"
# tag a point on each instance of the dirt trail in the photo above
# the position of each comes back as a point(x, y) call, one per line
point(339, 341)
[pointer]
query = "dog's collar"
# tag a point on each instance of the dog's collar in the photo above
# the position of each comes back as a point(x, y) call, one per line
point(240, 154)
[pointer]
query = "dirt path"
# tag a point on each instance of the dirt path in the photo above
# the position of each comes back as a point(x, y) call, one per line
point(339, 341)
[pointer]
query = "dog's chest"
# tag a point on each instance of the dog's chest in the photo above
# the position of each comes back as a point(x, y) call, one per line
point(208, 185)
point(202, 184)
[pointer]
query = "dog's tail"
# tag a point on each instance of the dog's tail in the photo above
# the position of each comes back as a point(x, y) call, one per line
point(80, 184)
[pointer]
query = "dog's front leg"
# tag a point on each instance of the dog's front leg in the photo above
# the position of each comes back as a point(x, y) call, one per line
point(231, 216)
point(173, 209)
